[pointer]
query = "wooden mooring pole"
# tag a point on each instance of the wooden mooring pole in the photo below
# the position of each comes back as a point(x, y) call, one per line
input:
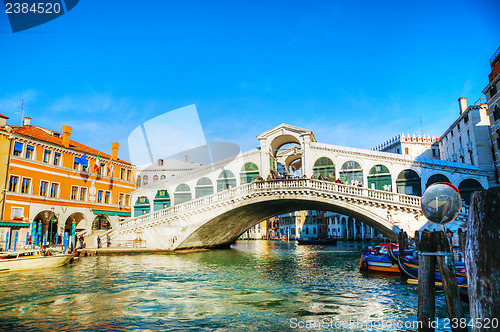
point(482, 259)
point(426, 279)
point(434, 246)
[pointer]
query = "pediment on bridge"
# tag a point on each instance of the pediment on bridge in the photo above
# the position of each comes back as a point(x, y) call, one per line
point(286, 129)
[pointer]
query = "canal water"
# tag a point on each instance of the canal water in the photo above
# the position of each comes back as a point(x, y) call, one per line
point(255, 286)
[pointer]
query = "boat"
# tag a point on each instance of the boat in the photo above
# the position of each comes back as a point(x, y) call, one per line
point(409, 268)
point(328, 241)
point(376, 259)
point(32, 259)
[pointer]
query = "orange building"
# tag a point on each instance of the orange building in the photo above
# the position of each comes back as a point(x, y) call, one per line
point(54, 180)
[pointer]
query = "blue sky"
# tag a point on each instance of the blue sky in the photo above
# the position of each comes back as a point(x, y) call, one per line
point(355, 73)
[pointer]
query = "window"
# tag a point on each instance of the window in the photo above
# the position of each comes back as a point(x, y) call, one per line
point(44, 185)
point(407, 151)
point(496, 113)
point(17, 213)
point(129, 175)
point(493, 90)
point(120, 198)
point(127, 201)
point(155, 178)
point(434, 152)
point(145, 180)
point(74, 192)
point(398, 150)
point(30, 152)
point(57, 158)
point(85, 167)
point(54, 189)
point(18, 149)
point(99, 196)
point(25, 186)
point(458, 126)
point(83, 193)
point(466, 118)
point(468, 136)
point(107, 197)
point(163, 177)
point(76, 163)
point(101, 169)
point(14, 180)
point(46, 156)
point(460, 141)
point(452, 133)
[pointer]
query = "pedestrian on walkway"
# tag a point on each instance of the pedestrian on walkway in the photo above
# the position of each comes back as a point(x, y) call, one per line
point(98, 242)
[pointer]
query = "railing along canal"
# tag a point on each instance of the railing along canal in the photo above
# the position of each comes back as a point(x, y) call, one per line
point(273, 186)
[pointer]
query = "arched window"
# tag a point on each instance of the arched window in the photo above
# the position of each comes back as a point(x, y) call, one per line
point(249, 173)
point(408, 183)
point(203, 187)
point(163, 177)
point(351, 171)
point(466, 188)
point(138, 182)
point(155, 178)
point(324, 166)
point(226, 180)
point(182, 194)
point(159, 162)
point(437, 178)
point(145, 180)
point(101, 222)
point(380, 178)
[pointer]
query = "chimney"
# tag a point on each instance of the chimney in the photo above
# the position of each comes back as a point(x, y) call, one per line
point(66, 134)
point(114, 148)
point(186, 158)
point(27, 121)
point(3, 120)
point(462, 101)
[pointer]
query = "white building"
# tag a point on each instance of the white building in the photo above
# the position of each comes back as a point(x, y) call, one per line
point(416, 146)
point(163, 169)
point(467, 140)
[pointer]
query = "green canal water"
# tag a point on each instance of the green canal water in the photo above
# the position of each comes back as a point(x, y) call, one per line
point(255, 286)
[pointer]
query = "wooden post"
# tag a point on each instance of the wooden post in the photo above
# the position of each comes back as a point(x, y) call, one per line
point(426, 280)
point(449, 280)
point(417, 240)
point(482, 257)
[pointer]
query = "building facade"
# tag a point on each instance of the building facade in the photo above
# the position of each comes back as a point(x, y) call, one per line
point(416, 146)
point(493, 101)
point(52, 181)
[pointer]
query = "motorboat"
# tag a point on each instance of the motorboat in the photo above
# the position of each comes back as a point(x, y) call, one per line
point(33, 259)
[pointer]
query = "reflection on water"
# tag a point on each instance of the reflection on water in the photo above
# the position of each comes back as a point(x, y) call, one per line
point(256, 286)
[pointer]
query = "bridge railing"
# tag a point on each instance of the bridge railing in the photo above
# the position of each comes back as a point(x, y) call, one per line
point(264, 186)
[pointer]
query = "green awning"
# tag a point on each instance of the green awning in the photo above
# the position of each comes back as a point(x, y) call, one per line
point(14, 224)
point(111, 213)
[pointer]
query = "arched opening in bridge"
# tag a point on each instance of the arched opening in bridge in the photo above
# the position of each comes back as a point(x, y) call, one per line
point(436, 178)
point(49, 221)
point(324, 168)
point(162, 200)
point(141, 206)
point(226, 180)
point(249, 173)
point(351, 172)
point(409, 183)
point(287, 156)
point(466, 188)
point(380, 178)
point(204, 187)
point(101, 222)
point(182, 194)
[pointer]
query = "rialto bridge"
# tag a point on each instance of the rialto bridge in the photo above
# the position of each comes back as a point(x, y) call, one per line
point(212, 205)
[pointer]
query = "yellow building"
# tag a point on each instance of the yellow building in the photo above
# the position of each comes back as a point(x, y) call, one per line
point(53, 180)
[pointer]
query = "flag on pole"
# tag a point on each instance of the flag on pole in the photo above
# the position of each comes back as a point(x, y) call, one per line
point(96, 163)
point(110, 168)
point(82, 160)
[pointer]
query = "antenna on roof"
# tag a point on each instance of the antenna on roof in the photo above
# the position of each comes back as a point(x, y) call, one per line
point(22, 112)
point(421, 127)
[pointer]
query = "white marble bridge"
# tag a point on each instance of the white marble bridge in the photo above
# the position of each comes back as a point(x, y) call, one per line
point(169, 214)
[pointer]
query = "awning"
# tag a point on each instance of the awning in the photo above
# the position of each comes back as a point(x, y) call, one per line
point(14, 224)
point(111, 213)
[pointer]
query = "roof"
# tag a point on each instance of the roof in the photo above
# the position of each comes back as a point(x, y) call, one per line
point(42, 135)
point(4, 116)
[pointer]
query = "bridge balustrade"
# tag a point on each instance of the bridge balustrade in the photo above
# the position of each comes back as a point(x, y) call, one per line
point(270, 185)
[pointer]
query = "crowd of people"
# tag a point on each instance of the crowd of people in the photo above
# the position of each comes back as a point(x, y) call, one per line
point(278, 176)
